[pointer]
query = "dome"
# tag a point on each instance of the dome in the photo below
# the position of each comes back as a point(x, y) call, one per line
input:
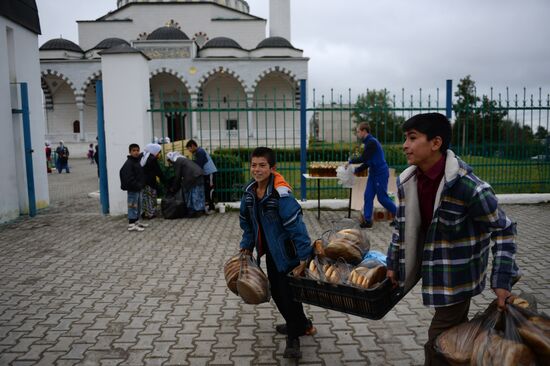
point(222, 42)
point(164, 33)
point(110, 42)
point(57, 44)
point(275, 42)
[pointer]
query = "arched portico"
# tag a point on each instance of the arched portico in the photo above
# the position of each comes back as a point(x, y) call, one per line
point(60, 96)
point(171, 100)
point(222, 102)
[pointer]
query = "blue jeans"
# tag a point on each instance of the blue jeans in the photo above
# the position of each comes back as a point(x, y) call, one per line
point(134, 206)
point(377, 186)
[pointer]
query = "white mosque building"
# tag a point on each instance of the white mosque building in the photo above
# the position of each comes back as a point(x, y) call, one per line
point(200, 54)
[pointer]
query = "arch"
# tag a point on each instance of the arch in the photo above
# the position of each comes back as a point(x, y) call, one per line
point(96, 75)
point(60, 75)
point(272, 70)
point(219, 70)
point(48, 97)
point(172, 72)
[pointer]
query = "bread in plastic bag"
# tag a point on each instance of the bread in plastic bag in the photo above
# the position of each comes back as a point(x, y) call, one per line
point(231, 272)
point(457, 343)
point(533, 328)
point(252, 284)
point(493, 347)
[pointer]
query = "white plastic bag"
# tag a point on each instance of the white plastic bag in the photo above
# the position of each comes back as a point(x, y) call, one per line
point(345, 176)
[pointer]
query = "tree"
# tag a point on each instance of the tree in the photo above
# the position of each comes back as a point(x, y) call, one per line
point(542, 133)
point(478, 121)
point(376, 108)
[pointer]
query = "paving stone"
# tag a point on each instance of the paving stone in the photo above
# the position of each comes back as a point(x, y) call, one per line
point(109, 297)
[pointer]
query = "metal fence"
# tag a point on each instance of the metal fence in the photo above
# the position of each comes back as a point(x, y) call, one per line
point(503, 136)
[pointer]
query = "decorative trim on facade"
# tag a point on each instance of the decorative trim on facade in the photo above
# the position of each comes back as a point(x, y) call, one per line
point(165, 70)
point(216, 71)
point(48, 97)
point(273, 70)
point(58, 74)
point(96, 75)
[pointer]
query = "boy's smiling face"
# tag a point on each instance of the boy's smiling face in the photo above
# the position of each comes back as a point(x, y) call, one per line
point(260, 170)
point(420, 151)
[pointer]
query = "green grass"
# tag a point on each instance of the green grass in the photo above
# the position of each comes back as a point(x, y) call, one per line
point(504, 175)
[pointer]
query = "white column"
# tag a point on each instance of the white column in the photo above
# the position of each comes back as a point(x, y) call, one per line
point(80, 107)
point(194, 128)
point(250, 114)
point(279, 18)
point(126, 100)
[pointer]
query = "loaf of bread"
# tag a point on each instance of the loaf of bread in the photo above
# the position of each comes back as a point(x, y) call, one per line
point(457, 343)
point(231, 273)
point(367, 277)
point(319, 248)
point(491, 349)
point(535, 332)
point(344, 248)
point(357, 237)
point(313, 271)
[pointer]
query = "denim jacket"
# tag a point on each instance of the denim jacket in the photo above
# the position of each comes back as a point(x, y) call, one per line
point(280, 218)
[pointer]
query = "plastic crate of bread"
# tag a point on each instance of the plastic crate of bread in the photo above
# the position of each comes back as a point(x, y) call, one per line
point(344, 275)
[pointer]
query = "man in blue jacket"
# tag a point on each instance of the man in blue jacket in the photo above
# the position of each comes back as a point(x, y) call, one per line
point(377, 182)
point(272, 223)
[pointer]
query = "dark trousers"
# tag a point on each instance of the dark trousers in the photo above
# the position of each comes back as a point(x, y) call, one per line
point(209, 191)
point(445, 317)
point(292, 311)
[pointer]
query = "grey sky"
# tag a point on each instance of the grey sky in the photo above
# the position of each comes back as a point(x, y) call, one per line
point(396, 44)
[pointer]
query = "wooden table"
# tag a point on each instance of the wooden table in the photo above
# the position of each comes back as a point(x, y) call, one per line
point(319, 179)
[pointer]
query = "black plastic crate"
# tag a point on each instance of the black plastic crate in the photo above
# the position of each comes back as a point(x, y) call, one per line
point(366, 303)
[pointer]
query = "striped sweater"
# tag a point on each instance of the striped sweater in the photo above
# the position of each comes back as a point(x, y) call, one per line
point(452, 261)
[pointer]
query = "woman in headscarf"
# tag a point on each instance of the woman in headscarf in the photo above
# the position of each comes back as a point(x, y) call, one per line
point(189, 178)
point(151, 170)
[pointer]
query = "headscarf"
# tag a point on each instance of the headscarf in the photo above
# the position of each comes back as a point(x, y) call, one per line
point(61, 143)
point(148, 150)
point(173, 156)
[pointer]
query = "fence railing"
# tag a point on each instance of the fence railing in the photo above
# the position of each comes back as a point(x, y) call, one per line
point(503, 138)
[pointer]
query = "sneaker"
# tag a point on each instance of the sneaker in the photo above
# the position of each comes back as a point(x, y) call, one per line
point(310, 329)
point(134, 227)
point(141, 224)
point(365, 225)
point(208, 212)
point(292, 349)
point(393, 223)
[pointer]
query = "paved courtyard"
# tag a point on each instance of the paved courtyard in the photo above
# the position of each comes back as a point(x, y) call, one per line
point(76, 288)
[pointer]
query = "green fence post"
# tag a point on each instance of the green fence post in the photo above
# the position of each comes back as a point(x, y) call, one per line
point(303, 137)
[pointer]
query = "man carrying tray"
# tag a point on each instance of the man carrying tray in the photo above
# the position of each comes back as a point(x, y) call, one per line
point(446, 219)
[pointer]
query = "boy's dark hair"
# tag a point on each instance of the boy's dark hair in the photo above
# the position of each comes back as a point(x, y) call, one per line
point(432, 125)
point(191, 143)
point(364, 126)
point(264, 152)
point(132, 146)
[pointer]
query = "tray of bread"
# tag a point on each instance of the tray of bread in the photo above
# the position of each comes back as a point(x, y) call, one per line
point(342, 277)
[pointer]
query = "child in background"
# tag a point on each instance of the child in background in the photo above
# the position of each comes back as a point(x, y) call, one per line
point(132, 180)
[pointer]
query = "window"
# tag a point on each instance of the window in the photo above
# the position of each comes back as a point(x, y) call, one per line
point(76, 126)
point(232, 124)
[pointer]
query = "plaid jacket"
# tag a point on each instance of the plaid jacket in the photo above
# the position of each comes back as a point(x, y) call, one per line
point(453, 259)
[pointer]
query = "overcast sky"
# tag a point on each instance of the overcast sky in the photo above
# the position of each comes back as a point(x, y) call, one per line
point(395, 44)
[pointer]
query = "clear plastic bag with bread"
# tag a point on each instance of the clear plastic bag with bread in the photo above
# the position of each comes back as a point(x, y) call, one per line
point(457, 343)
point(367, 277)
point(315, 267)
point(500, 343)
point(349, 244)
point(336, 272)
point(252, 284)
point(534, 329)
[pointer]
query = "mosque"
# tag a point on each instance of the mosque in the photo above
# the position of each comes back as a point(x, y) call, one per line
point(200, 54)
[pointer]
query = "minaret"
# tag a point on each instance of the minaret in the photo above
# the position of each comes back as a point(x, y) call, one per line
point(279, 18)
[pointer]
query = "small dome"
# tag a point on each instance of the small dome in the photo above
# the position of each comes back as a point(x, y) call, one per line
point(57, 44)
point(275, 42)
point(164, 33)
point(222, 42)
point(110, 42)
